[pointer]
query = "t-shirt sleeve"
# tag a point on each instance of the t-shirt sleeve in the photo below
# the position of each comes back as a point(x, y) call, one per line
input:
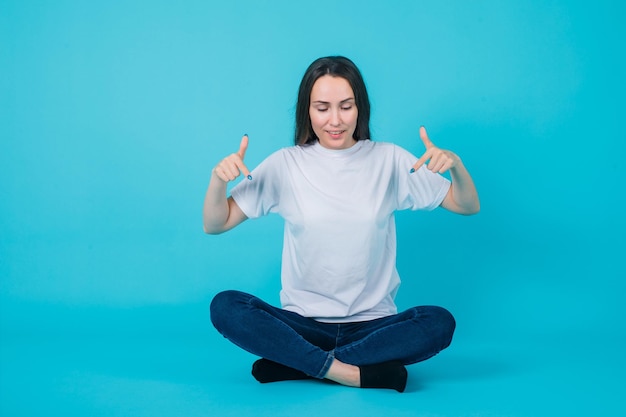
point(420, 190)
point(261, 195)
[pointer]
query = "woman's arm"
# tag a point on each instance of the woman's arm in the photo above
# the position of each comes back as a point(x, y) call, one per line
point(462, 197)
point(220, 213)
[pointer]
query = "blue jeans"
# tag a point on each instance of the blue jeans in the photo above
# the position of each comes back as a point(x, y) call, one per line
point(310, 346)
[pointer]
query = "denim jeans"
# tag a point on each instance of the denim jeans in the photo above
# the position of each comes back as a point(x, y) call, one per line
point(310, 346)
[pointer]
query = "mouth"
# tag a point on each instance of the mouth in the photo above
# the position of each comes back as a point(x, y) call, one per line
point(335, 134)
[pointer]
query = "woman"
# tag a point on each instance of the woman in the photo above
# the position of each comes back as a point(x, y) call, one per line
point(337, 191)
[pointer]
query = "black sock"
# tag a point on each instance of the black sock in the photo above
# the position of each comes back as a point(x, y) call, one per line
point(384, 375)
point(265, 370)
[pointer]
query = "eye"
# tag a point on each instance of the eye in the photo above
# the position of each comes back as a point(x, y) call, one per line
point(322, 109)
point(346, 108)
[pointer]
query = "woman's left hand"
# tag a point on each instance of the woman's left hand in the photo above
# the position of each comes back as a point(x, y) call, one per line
point(439, 160)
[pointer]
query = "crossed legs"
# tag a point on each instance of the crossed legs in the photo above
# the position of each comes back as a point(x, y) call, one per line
point(362, 354)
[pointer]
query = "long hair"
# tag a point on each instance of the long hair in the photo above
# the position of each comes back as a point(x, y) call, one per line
point(336, 66)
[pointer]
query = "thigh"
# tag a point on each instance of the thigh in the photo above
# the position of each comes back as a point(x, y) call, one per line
point(236, 308)
point(273, 333)
point(411, 336)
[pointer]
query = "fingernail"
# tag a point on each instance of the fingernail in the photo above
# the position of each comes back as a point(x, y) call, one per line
point(245, 134)
point(250, 177)
point(412, 170)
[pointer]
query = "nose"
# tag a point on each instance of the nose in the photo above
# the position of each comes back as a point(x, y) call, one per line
point(335, 118)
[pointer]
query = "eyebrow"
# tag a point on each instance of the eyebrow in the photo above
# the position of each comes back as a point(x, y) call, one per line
point(326, 102)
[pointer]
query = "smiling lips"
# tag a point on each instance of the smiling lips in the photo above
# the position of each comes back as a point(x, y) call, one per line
point(335, 134)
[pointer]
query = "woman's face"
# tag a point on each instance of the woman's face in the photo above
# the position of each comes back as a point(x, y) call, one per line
point(333, 112)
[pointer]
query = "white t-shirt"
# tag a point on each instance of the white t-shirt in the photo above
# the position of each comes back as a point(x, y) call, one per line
point(339, 249)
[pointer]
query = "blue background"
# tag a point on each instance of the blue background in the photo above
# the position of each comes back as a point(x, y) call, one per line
point(112, 117)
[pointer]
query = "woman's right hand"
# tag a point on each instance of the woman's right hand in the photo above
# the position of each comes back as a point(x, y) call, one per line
point(230, 167)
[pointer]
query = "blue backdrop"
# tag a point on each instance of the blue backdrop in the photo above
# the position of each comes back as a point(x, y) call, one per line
point(113, 115)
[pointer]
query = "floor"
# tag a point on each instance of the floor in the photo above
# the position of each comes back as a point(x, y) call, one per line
point(169, 373)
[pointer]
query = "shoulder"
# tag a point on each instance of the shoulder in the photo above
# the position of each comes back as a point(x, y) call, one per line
point(284, 158)
point(281, 154)
point(381, 146)
point(296, 150)
point(388, 149)
point(290, 154)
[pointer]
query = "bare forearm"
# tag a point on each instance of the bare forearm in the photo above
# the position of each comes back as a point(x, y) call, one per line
point(463, 190)
point(215, 211)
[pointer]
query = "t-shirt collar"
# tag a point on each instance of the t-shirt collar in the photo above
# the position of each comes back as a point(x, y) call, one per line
point(338, 153)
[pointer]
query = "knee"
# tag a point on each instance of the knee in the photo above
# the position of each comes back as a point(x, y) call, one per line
point(223, 306)
point(445, 325)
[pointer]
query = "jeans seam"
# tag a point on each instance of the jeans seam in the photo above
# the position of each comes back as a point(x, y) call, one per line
point(330, 355)
point(329, 360)
point(356, 343)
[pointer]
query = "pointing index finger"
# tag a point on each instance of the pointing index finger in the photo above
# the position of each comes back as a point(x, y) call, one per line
point(243, 146)
point(426, 156)
point(421, 161)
